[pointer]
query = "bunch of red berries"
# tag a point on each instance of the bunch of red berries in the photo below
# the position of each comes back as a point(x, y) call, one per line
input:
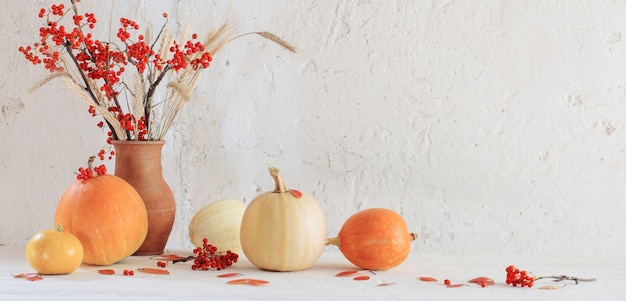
point(208, 258)
point(516, 277)
point(86, 173)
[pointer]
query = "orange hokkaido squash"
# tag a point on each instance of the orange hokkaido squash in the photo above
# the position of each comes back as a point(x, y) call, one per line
point(107, 215)
point(374, 239)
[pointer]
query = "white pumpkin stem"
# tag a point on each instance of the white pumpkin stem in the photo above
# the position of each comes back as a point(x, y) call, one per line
point(280, 186)
point(333, 241)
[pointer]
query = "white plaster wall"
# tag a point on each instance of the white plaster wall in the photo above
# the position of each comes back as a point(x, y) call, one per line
point(491, 126)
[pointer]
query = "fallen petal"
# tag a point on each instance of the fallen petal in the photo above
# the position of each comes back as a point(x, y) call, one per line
point(481, 279)
point(427, 279)
point(34, 278)
point(551, 287)
point(154, 271)
point(296, 193)
point(485, 283)
point(25, 275)
point(168, 257)
point(230, 275)
point(455, 285)
point(256, 282)
point(346, 273)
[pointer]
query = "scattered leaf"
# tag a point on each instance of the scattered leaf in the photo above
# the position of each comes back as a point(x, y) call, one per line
point(485, 283)
point(386, 284)
point(296, 193)
point(25, 275)
point(361, 278)
point(168, 257)
point(106, 272)
point(480, 279)
point(173, 258)
point(427, 279)
point(154, 271)
point(455, 285)
point(346, 273)
point(255, 282)
point(229, 275)
point(34, 278)
point(551, 287)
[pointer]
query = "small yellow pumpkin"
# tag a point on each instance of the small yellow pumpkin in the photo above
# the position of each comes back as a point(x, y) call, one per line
point(219, 222)
point(52, 252)
point(283, 230)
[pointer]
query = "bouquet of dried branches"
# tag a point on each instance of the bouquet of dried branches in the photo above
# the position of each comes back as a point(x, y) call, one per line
point(118, 78)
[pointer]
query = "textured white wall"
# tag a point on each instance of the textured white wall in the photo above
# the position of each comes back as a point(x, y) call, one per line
point(491, 126)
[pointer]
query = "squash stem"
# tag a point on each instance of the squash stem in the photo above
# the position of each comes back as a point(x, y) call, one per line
point(280, 186)
point(333, 241)
point(90, 166)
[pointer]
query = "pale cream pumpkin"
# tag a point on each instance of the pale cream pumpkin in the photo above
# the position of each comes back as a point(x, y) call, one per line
point(283, 230)
point(219, 222)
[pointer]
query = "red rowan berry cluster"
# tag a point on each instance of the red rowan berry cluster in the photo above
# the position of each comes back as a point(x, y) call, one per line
point(161, 264)
point(516, 277)
point(129, 273)
point(86, 173)
point(101, 64)
point(208, 258)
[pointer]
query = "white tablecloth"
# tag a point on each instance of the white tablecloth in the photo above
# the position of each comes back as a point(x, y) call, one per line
point(318, 283)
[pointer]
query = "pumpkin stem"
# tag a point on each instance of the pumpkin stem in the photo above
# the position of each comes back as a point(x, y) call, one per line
point(90, 166)
point(413, 235)
point(333, 241)
point(280, 186)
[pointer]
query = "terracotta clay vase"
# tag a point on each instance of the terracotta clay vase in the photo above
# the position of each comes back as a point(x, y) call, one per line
point(139, 163)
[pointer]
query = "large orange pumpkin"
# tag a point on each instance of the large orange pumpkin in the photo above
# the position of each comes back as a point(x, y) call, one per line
point(374, 239)
point(107, 215)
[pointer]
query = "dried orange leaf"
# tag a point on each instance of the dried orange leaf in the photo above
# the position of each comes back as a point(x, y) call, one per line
point(168, 257)
point(258, 282)
point(480, 279)
point(106, 272)
point(249, 281)
point(296, 193)
point(486, 283)
point(154, 271)
point(427, 279)
point(364, 277)
point(551, 287)
point(230, 275)
point(238, 281)
point(455, 285)
point(25, 275)
point(346, 273)
point(34, 278)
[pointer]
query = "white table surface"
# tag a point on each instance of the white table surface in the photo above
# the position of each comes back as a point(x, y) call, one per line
point(318, 282)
